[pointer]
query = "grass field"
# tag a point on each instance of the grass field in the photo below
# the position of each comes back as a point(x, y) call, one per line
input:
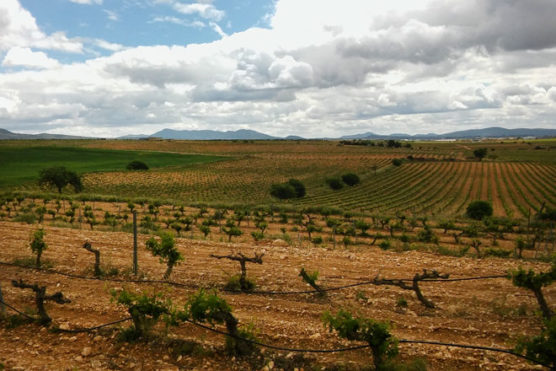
point(21, 165)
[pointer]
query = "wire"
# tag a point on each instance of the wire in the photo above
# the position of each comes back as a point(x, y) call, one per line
point(255, 292)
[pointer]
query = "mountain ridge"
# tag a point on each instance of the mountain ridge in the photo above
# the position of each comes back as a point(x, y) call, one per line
point(246, 134)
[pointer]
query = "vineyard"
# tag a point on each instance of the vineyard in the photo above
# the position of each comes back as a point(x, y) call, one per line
point(400, 247)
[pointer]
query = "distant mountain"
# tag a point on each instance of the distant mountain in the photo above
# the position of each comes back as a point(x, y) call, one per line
point(211, 135)
point(492, 132)
point(5, 134)
point(497, 132)
point(131, 137)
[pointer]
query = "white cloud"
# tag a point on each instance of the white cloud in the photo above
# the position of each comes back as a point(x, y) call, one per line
point(26, 57)
point(355, 66)
point(203, 9)
point(87, 2)
point(179, 21)
point(18, 28)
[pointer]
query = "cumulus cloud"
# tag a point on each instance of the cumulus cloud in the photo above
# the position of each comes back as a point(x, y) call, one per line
point(396, 66)
point(18, 28)
point(26, 57)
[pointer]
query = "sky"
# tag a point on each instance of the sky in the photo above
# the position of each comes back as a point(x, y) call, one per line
point(312, 68)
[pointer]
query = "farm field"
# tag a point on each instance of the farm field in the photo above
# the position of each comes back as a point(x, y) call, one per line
point(214, 197)
point(436, 179)
point(21, 164)
point(489, 312)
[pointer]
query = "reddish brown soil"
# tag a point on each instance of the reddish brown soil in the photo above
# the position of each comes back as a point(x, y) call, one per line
point(481, 312)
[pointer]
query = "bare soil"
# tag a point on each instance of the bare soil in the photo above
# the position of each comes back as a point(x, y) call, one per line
point(490, 312)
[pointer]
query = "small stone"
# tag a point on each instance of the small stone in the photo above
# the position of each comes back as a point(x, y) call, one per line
point(98, 338)
point(86, 351)
point(166, 357)
point(65, 326)
point(316, 335)
point(270, 365)
point(73, 338)
point(96, 364)
point(78, 359)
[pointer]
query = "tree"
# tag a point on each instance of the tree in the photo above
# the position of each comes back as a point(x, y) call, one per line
point(298, 186)
point(334, 183)
point(137, 165)
point(397, 162)
point(293, 188)
point(282, 191)
point(166, 250)
point(480, 153)
point(351, 179)
point(479, 209)
point(60, 177)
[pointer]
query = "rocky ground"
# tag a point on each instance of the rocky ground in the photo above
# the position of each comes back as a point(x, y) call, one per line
point(490, 312)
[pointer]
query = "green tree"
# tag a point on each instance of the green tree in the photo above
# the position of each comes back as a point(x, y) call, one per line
point(334, 183)
point(351, 179)
point(166, 250)
point(298, 187)
point(60, 177)
point(479, 209)
point(480, 153)
point(397, 162)
point(282, 191)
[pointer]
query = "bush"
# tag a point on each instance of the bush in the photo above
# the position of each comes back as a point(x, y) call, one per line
point(383, 345)
point(541, 348)
point(38, 245)
point(351, 179)
point(166, 250)
point(282, 191)
point(203, 307)
point(334, 183)
point(293, 188)
point(137, 165)
point(478, 210)
point(298, 187)
point(397, 162)
point(234, 284)
point(145, 311)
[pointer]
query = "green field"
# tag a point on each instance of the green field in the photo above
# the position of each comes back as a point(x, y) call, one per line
point(21, 165)
point(436, 178)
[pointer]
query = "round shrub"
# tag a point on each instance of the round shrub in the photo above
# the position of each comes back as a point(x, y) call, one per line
point(137, 165)
point(298, 186)
point(479, 209)
point(282, 191)
point(351, 179)
point(397, 162)
point(334, 183)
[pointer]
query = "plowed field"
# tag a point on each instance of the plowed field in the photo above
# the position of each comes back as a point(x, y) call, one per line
point(483, 312)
